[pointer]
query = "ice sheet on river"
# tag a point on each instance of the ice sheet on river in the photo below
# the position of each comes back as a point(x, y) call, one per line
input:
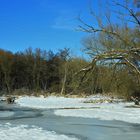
point(24, 132)
point(107, 111)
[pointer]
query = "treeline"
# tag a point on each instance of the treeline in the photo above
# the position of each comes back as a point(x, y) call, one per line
point(38, 71)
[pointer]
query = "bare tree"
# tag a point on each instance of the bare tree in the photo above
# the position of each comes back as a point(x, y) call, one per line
point(64, 54)
point(120, 43)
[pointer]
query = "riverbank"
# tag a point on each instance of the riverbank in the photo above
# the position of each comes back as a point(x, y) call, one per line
point(97, 106)
point(89, 107)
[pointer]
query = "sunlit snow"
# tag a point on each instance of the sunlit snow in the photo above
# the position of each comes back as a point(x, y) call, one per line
point(24, 132)
point(75, 107)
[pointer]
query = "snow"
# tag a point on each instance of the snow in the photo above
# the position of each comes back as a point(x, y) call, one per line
point(25, 132)
point(75, 107)
point(2, 98)
point(51, 102)
point(109, 112)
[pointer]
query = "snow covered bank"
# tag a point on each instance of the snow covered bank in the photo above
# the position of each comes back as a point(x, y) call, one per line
point(61, 102)
point(106, 111)
point(24, 132)
point(51, 102)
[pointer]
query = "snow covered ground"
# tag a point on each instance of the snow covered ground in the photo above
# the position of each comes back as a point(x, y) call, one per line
point(51, 102)
point(24, 132)
point(109, 113)
point(65, 107)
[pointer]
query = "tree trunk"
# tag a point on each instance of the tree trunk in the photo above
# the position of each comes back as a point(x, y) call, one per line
point(64, 80)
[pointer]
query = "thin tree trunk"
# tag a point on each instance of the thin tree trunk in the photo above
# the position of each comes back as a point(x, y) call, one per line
point(7, 83)
point(64, 80)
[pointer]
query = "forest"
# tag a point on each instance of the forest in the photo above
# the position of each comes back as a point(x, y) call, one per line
point(36, 71)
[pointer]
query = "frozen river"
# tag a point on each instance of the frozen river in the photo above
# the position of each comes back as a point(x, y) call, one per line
point(22, 123)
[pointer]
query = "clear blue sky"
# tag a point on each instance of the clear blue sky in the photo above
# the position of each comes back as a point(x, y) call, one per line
point(46, 24)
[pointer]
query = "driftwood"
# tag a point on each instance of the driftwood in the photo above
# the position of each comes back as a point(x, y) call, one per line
point(136, 100)
point(10, 100)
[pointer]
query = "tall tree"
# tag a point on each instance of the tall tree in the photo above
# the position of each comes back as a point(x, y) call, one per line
point(64, 54)
point(114, 41)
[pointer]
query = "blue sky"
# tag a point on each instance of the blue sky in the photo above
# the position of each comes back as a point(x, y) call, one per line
point(46, 24)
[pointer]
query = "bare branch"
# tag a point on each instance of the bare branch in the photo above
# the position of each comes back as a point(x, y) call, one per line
point(91, 29)
point(131, 12)
point(120, 55)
